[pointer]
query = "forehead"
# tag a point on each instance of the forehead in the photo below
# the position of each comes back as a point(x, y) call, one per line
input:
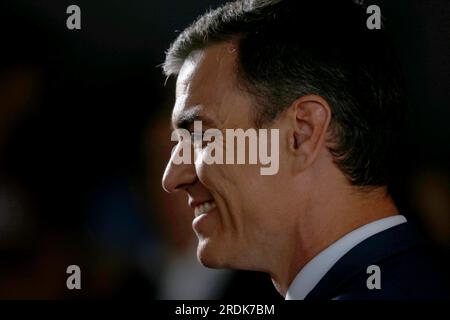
point(207, 80)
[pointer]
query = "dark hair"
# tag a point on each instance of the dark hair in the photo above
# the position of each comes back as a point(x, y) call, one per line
point(288, 49)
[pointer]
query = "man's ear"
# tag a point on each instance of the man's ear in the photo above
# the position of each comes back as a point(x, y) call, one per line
point(310, 118)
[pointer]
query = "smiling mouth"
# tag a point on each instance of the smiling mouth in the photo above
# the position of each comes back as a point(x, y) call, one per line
point(204, 208)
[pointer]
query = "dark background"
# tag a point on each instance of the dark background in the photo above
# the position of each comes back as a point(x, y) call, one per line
point(84, 136)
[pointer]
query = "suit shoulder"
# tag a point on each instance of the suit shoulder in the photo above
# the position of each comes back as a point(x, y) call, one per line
point(412, 274)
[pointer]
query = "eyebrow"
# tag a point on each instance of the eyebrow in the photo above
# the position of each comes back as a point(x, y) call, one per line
point(185, 120)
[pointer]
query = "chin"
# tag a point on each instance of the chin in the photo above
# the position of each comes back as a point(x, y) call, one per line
point(211, 256)
point(216, 254)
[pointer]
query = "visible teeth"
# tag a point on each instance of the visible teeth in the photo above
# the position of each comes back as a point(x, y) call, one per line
point(204, 208)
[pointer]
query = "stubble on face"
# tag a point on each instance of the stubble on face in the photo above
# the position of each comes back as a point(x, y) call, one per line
point(246, 222)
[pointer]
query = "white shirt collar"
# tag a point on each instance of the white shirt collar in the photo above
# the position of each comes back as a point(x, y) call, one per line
point(316, 268)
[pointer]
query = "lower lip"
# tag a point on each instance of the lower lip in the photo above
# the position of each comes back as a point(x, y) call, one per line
point(201, 219)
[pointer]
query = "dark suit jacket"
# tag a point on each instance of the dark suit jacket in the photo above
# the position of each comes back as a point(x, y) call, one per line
point(408, 269)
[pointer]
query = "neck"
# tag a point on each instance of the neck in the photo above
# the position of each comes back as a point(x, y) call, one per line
point(324, 222)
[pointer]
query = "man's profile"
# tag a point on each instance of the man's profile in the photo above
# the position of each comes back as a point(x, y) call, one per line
point(314, 71)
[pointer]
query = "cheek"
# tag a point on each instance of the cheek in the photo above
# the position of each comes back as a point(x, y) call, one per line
point(208, 174)
point(242, 187)
point(217, 177)
point(265, 194)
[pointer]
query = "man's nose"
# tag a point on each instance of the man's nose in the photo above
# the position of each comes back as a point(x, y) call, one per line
point(178, 176)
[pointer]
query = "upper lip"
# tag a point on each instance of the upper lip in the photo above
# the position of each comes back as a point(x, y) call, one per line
point(196, 203)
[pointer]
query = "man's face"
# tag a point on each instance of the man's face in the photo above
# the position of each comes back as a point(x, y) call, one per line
point(238, 211)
